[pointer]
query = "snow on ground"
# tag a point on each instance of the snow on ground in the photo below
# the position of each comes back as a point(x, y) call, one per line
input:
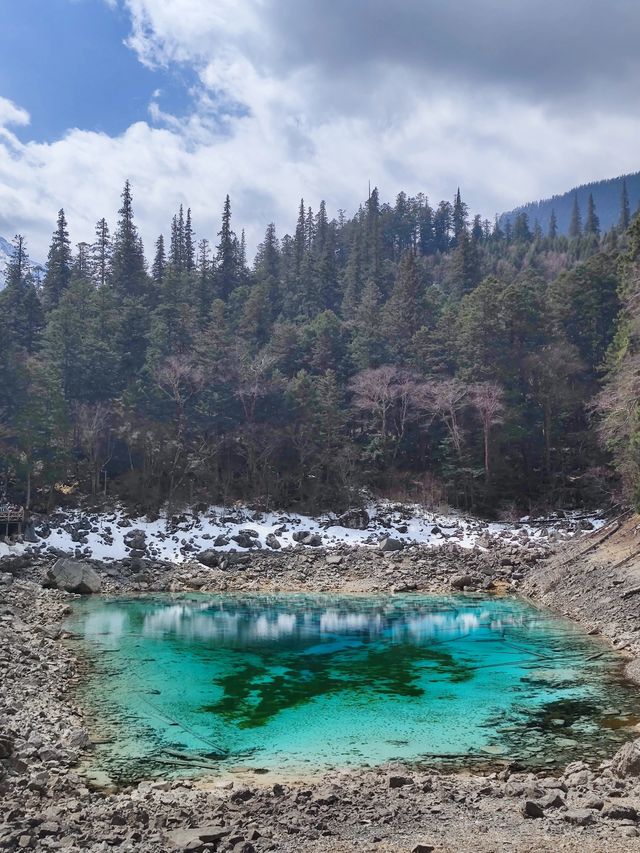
point(103, 535)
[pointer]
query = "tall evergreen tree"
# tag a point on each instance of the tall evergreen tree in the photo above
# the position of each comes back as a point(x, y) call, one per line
point(226, 256)
point(159, 261)
point(101, 252)
point(553, 226)
point(59, 263)
point(575, 223)
point(592, 225)
point(459, 218)
point(189, 245)
point(625, 208)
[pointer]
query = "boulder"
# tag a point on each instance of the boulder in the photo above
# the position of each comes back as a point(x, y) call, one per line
point(136, 540)
point(73, 576)
point(460, 581)
point(531, 809)
point(579, 817)
point(626, 761)
point(272, 542)
point(209, 558)
point(399, 781)
point(354, 519)
point(390, 544)
point(245, 540)
point(181, 838)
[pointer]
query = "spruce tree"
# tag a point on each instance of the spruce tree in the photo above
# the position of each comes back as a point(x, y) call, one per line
point(226, 255)
point(625, 208)
point(459, 218)
point(159, 265)
point(592, 225)
point(575, 223)
point(189, 245)
point(101, 252)
point(553, 225)
point(59, 263)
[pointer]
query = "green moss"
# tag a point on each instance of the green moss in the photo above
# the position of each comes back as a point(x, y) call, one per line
point(254, 694)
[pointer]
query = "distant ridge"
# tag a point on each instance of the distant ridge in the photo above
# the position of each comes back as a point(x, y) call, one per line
point(606, 195)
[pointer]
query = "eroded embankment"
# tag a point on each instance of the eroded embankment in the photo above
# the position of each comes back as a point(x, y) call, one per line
point(596, 582)
point(48, 806)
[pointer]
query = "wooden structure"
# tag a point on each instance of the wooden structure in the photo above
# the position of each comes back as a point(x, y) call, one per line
point(11, 515)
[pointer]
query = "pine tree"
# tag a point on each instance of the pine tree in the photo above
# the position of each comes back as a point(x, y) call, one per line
point(553, 225)
point(625, 208)
point(575, 224)
point(101, 254)
point(130, 289)
point(128, 268)
point(189, 246)
point(226, 257)
point(402, 315)
point(367, 346)
point(459, 218)
point(592, 225)
point(59, 263)
point(19, 301)
point(159, 261)
point(204, 282)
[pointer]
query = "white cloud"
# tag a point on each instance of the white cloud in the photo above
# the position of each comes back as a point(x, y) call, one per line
point(271, 124)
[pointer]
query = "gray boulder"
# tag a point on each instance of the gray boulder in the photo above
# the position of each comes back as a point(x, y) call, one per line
point(354, 519)
point(272, 542)
point(390, 544)
point(73, 576)
point(209, 558)
point(626, 761)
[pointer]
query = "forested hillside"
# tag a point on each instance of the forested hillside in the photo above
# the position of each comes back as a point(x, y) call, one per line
point(606, 196)
point(410, 349)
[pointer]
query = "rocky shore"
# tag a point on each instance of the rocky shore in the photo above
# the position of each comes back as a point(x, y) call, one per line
point(48, 805)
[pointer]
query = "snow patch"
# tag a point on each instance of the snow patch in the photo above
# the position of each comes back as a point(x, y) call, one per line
point(102, 536)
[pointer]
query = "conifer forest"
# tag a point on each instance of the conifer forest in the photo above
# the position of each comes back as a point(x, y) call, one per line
point(412, 350)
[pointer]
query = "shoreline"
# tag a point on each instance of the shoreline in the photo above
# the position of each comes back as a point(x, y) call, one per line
point(387, 808)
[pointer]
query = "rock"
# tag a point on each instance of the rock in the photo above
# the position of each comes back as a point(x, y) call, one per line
point(209, 558)
point(391, 544)
point(460, 581)
point(532, 809)
point(354, 519)
point(211, 834)
point(272, 542)
point(221, 540)
point(136, 540)
point(579, 817)
point(423, 848)
point(619, 811)
point(626, 762)
point(333, 559)
point(73, 576)
point(306, 537)
point(399, 781)
point(245, 540)
point(249, 531)
point(6, 746)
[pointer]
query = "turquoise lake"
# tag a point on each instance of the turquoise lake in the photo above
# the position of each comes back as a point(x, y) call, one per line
point(190, 684)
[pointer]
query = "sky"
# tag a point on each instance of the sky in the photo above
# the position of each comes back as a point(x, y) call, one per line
point(276, 100)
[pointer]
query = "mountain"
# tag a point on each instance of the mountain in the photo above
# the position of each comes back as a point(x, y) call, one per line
point(6, 252)
point(606, 195)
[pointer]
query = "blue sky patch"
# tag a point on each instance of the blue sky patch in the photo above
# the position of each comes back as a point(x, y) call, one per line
point(66, 63)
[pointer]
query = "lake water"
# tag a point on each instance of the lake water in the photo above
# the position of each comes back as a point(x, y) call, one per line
point(191, 683)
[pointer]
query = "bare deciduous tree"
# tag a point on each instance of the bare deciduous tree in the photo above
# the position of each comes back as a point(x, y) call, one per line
point(488, 400)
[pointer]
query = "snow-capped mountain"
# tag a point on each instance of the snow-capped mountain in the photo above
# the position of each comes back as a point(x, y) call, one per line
point(6, 253)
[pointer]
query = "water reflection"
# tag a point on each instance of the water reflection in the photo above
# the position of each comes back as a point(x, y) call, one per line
point(261, 619)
